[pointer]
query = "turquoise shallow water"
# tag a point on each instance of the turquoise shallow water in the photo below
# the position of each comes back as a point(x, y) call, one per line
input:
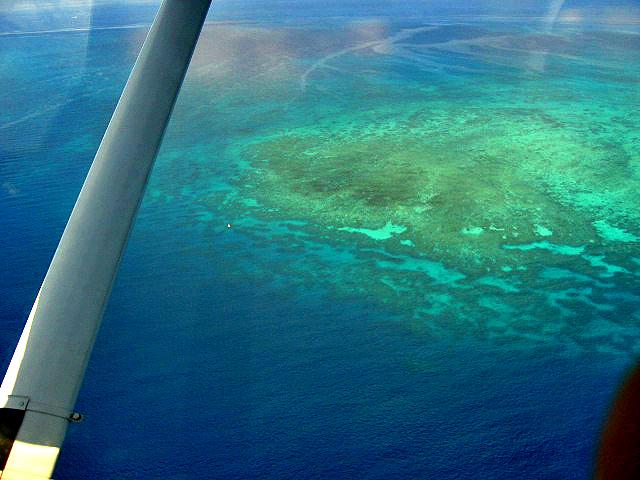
point(432, 266)
point(443, 171)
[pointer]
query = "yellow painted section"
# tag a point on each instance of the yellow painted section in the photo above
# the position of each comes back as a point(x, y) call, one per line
point(28, 461)
point(11, 376)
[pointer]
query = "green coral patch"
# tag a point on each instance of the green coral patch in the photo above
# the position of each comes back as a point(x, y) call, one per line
point(464, 186)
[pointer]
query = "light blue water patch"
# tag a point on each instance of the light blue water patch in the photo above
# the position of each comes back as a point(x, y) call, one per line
point(384, 233)
point(597, 261)
point(438, 303)
point(575, 295)
point(543, 231)
point(250, 202)
point(407, 243)
point(613, 234)
point(494, 303)
point(436, 270)
point(472, 231)
point(389, 282)
point(545, 245)
point(498, 283)
point(285, 229)
point(600, 327)
point(556, 273)
point(332, 254)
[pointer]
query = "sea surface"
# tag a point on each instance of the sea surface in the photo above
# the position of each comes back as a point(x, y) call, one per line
point(373, 246)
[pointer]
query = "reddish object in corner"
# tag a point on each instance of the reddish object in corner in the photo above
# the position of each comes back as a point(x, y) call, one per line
point(619, 452)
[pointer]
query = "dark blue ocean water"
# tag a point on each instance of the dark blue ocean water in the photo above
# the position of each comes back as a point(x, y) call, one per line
point(215, 359)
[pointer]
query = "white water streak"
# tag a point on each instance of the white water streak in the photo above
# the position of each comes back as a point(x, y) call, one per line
point(73, 30)
point(384, 43)
point(538, 60)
